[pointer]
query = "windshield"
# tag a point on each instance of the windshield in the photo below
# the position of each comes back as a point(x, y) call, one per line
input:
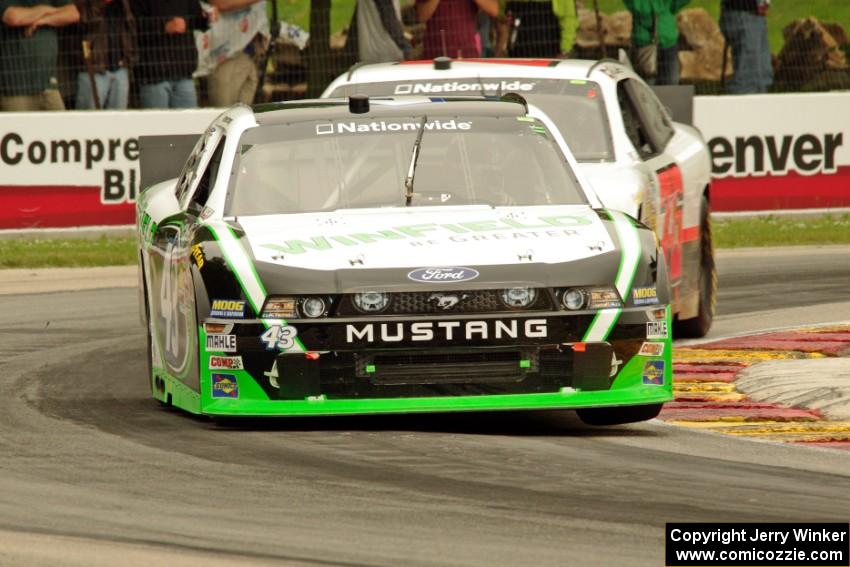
point(361, 162)
point(576, 106)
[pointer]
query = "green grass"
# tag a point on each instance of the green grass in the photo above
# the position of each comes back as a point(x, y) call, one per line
point(781, 231)
point(64, 253)
point(298, 12)
point(781, 13)
point(116, 251)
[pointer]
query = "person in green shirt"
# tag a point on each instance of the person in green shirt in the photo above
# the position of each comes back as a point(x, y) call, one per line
point(28, 50)
point(565, 11)
point(654, 24)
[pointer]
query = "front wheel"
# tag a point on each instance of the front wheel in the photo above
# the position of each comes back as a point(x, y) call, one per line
point(157, 385)
point(619, 415)
point(699, 326)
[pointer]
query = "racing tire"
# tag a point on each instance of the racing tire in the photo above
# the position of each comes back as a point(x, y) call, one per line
point(699, 326)
point(619, 415)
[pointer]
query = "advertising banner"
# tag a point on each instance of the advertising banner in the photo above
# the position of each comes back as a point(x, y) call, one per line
point(777, 151)
point(79, 168)
point(769, 152)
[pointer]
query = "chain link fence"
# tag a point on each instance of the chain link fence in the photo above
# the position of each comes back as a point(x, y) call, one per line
point(814, 56)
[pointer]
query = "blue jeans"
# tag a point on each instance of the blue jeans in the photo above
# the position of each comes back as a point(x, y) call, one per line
point(667, 65)
point(113, 89)
point(746, 34)
point(169, 94)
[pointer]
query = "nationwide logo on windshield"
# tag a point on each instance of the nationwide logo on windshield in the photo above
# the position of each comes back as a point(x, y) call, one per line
point(381, 126)
point(490, 87)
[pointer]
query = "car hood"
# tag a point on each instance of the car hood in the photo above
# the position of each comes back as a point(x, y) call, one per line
point(620, 187)
point(427, 237)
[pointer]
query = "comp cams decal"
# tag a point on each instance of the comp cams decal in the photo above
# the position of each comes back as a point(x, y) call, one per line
point(651, 349)
point(226, 363)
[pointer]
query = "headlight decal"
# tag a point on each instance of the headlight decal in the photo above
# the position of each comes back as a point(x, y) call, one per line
point(605, 319)
point(243, 269)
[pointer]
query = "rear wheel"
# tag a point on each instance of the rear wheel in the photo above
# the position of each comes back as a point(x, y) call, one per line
point(619, 415)
point(699, 326)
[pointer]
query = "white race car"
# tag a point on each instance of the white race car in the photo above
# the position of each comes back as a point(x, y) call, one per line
point(356, 256)
point(637, 159)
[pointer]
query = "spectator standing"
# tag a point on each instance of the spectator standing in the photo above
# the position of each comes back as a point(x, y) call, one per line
point(109, 30)
point(744, 25)
point(236, 78)
point(380, 33)
point(167, 52)
point(565, 10)
point(654, 30)
point(451, 26)
point(29, 47)
point(538, 32)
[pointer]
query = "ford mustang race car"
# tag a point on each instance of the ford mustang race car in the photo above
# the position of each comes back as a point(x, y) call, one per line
point(637, 159)
point(397, 255)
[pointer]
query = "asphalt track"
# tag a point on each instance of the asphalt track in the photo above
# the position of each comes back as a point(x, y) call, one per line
point(93, 472)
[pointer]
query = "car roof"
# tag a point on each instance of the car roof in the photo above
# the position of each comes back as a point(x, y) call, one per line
point(462, 68)
point(338, 108)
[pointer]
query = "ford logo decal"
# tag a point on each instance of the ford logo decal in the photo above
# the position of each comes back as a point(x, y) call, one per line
point(443, 275)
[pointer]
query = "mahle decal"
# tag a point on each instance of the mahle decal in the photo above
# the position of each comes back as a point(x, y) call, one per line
point(221, 343)
point(656, 330)
point(426, 230)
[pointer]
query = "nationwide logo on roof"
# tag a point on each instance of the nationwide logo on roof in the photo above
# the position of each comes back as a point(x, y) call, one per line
point(381, 126)
point(479, 87)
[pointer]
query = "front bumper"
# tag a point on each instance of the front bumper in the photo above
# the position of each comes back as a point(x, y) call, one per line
point(477, 373)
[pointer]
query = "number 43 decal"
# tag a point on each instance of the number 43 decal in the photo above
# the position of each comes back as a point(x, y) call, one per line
point(278, 337)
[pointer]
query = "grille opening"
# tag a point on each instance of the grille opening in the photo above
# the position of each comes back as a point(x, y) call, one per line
point(471, 367)
point(445, 302)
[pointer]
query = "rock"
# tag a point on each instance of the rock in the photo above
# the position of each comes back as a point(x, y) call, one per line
point(698, 29)
point(837, 32)
point(616, 30)
point(701, 56)
point(809, 50)
point(619, 29)
point(587, 35)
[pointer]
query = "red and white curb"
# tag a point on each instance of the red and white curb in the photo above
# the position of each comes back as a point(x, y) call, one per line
point(705, 378)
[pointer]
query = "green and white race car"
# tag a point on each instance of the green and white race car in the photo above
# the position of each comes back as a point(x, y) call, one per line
point(357, 256)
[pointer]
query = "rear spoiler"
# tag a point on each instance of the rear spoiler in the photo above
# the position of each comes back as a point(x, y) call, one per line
point(162, 157)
